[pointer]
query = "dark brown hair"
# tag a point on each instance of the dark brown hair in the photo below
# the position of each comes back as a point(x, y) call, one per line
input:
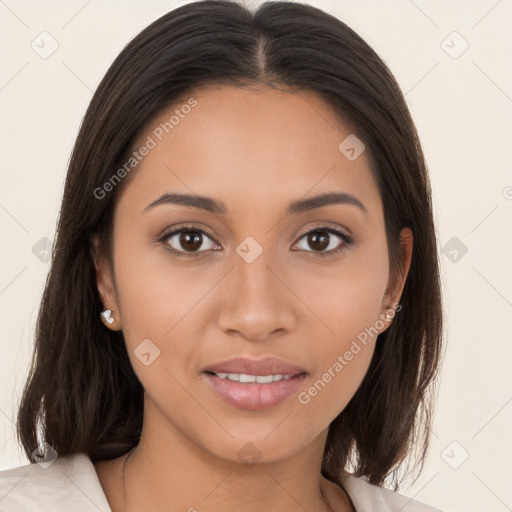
point(81, 394)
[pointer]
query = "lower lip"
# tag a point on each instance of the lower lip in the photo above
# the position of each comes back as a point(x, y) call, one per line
point(254, 396)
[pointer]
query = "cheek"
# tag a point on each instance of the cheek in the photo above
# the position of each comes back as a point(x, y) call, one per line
point(157, 300)
point(155, 290)
point(346, 296)
point(348, 305)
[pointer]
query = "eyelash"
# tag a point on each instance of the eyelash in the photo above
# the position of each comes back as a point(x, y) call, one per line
point(347, 240)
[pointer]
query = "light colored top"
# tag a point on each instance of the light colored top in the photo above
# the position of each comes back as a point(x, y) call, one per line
point(70, 483)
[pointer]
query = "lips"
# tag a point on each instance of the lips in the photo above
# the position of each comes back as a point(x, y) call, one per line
point(234, 381)
point(265, 366)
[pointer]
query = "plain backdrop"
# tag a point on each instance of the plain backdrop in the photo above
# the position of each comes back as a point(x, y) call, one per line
point(452, 60)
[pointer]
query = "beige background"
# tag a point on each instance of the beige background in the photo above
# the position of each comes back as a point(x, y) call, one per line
point(462, 105)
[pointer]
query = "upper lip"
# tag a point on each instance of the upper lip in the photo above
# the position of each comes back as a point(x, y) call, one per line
point(265, 366)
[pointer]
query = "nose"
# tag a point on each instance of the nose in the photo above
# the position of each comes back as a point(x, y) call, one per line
point(259, 302)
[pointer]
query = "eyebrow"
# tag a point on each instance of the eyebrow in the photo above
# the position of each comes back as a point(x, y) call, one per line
point(295, 207)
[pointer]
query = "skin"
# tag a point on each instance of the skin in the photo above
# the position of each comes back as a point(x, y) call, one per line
point(256, 150)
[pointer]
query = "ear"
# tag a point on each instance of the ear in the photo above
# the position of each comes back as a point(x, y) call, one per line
point(396, 285)
point(105, 283)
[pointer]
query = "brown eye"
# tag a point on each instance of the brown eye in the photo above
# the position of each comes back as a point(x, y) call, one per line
point(188, 240)
point(321, 239)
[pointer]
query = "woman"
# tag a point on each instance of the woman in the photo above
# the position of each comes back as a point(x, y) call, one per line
point(244, 307)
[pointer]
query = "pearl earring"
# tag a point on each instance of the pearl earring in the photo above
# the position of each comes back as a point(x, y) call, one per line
point(106, 317)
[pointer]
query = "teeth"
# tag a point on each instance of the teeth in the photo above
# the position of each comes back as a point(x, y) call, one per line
point(264, 379)
point(260, 379)
point(247, 378)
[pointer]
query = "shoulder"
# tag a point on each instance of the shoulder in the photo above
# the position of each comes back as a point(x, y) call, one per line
point(67, 483)
point(368, 498)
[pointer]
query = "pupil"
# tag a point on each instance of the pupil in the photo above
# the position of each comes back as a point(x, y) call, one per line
point(190, 240)
point(317, 236)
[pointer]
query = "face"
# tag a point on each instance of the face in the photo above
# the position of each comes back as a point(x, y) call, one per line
point(252, 279)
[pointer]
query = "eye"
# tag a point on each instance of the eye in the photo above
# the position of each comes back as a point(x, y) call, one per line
point(321, 239)
point(187, 240)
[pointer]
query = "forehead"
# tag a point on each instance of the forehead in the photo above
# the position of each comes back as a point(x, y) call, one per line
point(248, 145)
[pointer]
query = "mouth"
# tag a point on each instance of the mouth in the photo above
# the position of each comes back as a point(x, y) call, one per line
point(254, 385)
